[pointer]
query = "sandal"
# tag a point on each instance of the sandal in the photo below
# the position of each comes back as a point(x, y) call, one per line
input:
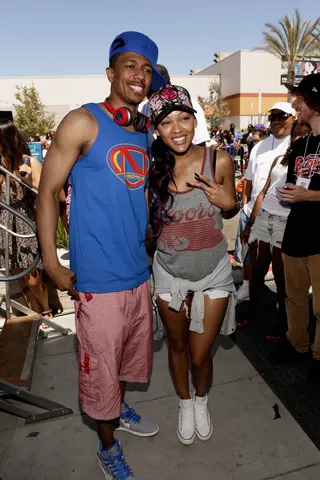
point(242, 323)
point(247, 322)
point(277, 333)
point(274, 338)
point(44, 314)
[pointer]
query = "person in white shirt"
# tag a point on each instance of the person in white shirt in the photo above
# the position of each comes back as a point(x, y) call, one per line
point(213, 142)
point(45, 149)
point(49, 137)
point(201, 135)
point(266, 228)
point(261, 159)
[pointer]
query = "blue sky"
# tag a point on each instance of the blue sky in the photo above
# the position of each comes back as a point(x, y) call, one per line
point(68, 37)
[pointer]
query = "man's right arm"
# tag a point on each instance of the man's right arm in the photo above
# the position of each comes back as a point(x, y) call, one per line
point(68, 144)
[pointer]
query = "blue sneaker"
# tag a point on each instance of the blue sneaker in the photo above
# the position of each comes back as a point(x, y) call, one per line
point(114, 465)
point(132, 422)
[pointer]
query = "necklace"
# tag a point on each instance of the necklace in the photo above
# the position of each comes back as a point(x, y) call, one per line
point(307, 144)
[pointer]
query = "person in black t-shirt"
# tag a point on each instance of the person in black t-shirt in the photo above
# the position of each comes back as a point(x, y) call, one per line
point(301, 242)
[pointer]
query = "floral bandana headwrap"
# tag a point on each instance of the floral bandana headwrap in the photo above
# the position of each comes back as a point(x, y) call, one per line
point(168, 99)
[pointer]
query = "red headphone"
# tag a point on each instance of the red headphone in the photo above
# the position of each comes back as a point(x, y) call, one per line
point(123, 116)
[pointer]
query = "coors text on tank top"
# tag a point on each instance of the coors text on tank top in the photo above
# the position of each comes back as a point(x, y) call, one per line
point(193, 244)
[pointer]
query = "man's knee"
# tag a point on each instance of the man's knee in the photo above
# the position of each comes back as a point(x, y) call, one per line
point(297, 298)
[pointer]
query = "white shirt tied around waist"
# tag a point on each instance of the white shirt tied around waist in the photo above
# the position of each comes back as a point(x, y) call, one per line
point(220, 279)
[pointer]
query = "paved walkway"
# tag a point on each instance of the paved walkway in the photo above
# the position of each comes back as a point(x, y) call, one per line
point(247, 444)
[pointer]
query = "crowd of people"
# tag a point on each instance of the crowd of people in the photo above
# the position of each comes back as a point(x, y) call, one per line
point(122, 178)
point(238, 143)
point(45, 141)
point(280, 201)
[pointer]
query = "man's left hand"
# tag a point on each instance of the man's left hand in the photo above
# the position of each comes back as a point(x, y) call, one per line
point(293, 193)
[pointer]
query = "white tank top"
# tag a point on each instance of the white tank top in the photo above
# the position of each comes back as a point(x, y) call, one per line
point(272, 203)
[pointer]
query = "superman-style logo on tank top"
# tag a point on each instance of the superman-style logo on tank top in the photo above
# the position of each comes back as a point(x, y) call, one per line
point(130, 164)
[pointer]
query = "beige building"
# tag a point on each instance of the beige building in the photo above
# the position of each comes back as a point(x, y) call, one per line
point(250, 84)
point(62, 94)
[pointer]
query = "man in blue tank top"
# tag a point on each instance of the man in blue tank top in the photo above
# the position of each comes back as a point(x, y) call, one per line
point(104, 150)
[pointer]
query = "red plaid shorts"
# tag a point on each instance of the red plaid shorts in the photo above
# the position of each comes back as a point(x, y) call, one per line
point(115, 336)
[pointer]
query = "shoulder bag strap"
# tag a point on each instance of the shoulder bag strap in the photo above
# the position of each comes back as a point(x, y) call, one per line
point(214, 160)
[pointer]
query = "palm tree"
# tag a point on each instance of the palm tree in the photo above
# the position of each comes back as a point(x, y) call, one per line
point(292, 40)
point(316, 35)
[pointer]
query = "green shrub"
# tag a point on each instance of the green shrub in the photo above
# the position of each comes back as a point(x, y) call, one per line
point(62, 237)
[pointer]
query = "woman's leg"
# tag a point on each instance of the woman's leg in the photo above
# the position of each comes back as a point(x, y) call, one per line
point(28, 296)
point(177, 326)
point(260, 260)
point(278, 273)
point(200, 344)
point(39, 290)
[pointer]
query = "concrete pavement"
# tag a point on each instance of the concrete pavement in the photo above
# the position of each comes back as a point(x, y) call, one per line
point(247, 443)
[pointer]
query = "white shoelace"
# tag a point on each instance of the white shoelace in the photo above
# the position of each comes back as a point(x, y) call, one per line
point(202, 415)
point(186, 414)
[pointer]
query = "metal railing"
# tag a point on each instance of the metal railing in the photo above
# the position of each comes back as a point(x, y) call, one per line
point(5, 276)
point(5, 204)
point(10, 391)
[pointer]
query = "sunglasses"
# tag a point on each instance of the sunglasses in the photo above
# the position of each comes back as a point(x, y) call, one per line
point(278, 116)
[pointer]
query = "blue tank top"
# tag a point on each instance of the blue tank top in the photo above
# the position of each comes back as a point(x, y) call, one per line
point(108, 214)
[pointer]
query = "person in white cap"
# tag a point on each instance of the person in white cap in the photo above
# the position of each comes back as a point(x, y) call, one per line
point(301, 241)
point(266, 228)
point(281, 117)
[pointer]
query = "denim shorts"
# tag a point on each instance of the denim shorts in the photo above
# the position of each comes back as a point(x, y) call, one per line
point(268, 228)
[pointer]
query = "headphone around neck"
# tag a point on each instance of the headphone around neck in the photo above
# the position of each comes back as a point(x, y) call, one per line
point(123, 116)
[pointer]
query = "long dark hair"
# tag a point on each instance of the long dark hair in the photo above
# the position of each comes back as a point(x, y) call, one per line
point(297, 131)
point(160, 198)
point(12, 148)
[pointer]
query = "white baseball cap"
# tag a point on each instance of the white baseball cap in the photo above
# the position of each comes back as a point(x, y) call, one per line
point(284, 107)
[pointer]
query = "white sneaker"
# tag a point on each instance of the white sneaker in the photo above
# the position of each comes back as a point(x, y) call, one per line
point(204, 425)
point(243, 293)
point(186, 426)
